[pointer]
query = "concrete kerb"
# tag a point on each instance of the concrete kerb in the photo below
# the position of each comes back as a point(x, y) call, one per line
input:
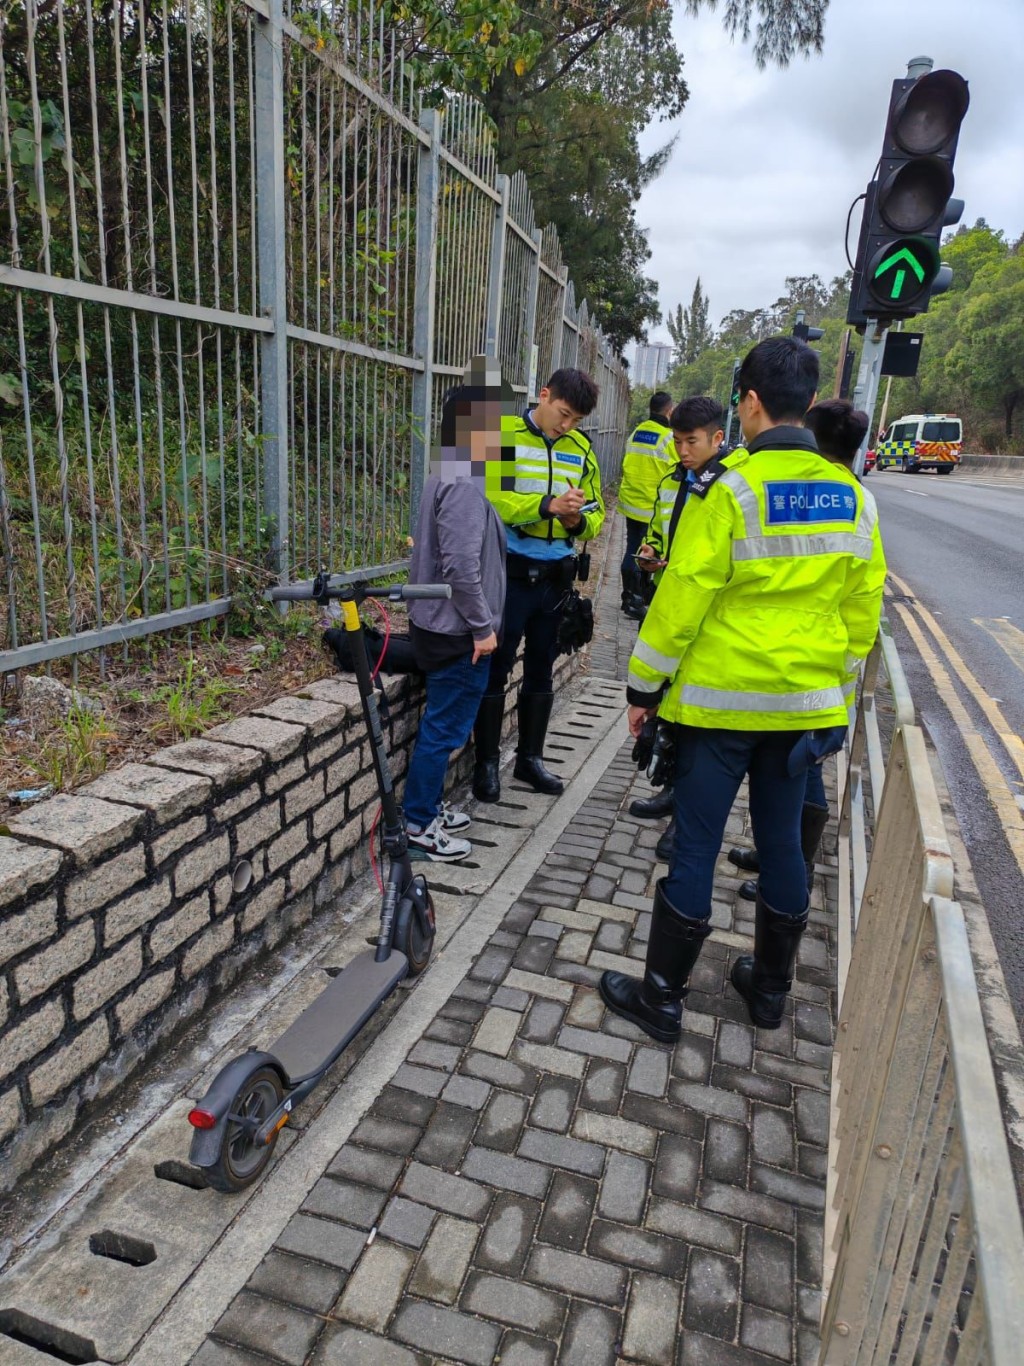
point(993, 464)
point(190, 1316)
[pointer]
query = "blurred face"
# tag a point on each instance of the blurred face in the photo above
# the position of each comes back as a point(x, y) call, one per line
point(554, 416)
point(696, 448)
point(477, 439)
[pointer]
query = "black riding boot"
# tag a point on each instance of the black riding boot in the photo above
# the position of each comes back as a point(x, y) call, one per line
point(663, 849)
point(534, 715)
point(487, 739)
point(813, 820)
point(652, 808)
point(655, 1003)
point(764, 980)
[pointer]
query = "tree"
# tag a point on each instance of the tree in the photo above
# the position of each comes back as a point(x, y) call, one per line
point(570, 84)
point(699, 333)
point(676, 324)
point(988, 357)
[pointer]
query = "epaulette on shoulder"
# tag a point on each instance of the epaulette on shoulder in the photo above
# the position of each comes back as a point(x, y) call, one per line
point(708, 477)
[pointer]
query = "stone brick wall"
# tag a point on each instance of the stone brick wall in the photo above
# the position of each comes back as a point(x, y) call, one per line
point(120, 915)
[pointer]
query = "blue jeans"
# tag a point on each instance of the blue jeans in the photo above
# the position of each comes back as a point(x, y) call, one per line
point(453, 698)
point(710, 765)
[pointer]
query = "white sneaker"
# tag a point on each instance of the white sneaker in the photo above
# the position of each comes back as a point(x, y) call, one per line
point(452, 820)
point(437, 846)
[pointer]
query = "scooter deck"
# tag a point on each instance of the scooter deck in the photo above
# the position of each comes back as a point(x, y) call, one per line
point(333, 1020)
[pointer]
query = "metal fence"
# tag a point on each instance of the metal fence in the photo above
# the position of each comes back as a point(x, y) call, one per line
point(924, 1245)
point(243, 263)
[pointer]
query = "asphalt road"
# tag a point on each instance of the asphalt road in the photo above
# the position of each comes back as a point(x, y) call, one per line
point(955, 548)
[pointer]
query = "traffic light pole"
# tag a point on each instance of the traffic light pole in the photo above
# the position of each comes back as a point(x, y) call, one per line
point(732, 406)
point(868, 376)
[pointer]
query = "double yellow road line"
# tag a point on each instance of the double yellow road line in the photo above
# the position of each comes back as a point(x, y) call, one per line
point(945, 665)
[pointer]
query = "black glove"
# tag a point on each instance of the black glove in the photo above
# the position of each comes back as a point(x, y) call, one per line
point(643, 746)
point(661, 767)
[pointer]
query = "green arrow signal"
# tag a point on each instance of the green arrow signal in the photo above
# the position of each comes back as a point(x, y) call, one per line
point(901, 271)
point(904, 254)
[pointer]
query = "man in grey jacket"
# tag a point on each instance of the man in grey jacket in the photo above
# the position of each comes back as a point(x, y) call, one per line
point(460, 540)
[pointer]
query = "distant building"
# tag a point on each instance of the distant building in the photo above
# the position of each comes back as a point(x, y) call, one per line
point(651, 364)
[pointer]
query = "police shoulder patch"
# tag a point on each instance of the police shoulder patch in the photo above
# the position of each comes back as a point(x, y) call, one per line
point(708, 476)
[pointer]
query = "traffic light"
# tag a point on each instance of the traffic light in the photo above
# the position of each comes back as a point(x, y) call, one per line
point(734, 388)
point(910, 200)
point(807, 334)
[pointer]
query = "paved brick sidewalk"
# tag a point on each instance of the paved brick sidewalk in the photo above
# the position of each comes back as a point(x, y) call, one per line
point(540, 1182)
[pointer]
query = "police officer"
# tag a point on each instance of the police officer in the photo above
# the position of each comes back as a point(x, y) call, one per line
point(839, 429)
point(772, 591)
point(547, 491)
point(697, 433)
point(648, 458)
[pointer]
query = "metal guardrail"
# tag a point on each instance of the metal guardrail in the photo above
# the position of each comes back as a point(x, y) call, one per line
point(239, 265)
point(925, 1248)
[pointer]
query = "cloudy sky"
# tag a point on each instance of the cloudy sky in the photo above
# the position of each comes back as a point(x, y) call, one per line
point(766, 163)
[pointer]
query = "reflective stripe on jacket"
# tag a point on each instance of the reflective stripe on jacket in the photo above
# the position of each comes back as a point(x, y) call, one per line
point(771, 597)
point(532, 469)
point(666, 515)
point(650, 450)
point(659, 530)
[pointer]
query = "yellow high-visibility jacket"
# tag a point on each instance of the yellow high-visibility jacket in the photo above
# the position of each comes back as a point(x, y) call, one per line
point(660, 528)
point(771, 597)
point(532, 471)
point(649, 455)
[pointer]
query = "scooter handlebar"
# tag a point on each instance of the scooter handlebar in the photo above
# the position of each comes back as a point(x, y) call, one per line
point(406, 592)
point(411, 591)
point(291, 592)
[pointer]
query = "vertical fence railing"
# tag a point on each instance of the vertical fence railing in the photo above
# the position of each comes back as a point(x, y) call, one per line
point(240, 265)
point(924, 1244)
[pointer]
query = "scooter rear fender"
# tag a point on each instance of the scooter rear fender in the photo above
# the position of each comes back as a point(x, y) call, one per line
point(206, 1143)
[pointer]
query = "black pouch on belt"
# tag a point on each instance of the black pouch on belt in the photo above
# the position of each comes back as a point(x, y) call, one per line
point(576, 628)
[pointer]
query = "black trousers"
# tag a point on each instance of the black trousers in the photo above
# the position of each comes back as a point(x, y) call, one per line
point(532, 611)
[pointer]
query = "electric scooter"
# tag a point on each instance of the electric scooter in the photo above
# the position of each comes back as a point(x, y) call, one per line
point(249, 1102)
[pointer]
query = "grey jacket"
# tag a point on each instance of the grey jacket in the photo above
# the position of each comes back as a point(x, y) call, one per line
point(460, 540)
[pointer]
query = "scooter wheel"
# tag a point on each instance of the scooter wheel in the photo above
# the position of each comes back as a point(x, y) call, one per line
point(240, 1161)
point(418, 946)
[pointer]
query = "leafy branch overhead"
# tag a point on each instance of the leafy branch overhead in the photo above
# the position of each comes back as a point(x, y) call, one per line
point(570, 85)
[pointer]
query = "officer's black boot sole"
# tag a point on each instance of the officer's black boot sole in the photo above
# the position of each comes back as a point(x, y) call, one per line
point(486, 781)
point(534, 715)
point(625, 996)
point(653, 808)
point(529, 768)
point(655, 1004)
point(487, 741)
point(745, 859)
point(764, 980)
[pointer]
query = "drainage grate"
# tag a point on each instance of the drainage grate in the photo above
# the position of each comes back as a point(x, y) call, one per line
point(47, 1338)
point(122, 1247)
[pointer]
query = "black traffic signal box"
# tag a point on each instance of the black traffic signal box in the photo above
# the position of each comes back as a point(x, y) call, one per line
point(910, 200)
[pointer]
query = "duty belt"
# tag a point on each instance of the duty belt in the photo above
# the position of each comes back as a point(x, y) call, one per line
point(526, 570)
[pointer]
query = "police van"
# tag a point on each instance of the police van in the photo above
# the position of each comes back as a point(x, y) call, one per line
point(921, 441)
